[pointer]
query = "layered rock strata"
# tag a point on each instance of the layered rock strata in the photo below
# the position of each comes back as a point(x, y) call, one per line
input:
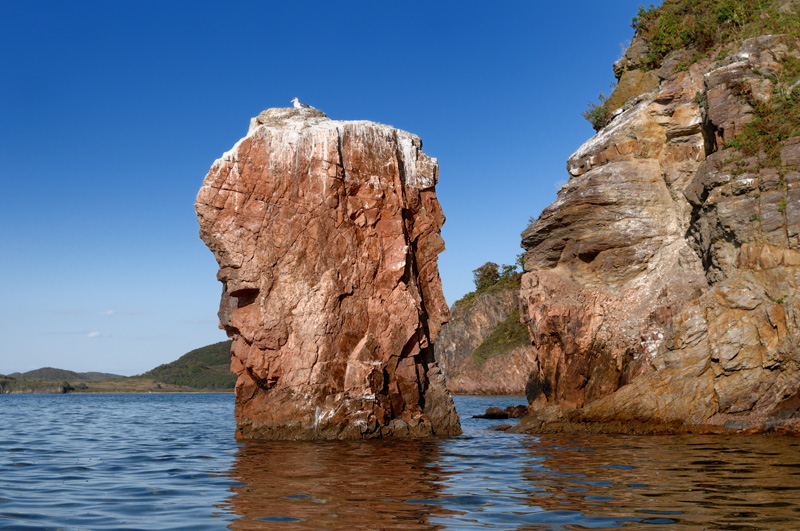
point(503, 374)
point(327, 235)
point(660, 286)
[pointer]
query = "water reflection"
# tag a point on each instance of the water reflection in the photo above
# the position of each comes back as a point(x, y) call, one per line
point(494, 480)
point(354, 485)
point(682, 482)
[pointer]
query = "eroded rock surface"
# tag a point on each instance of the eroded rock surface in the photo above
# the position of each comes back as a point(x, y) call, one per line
point(327, 235)
point(502, 374)
point(661, 285)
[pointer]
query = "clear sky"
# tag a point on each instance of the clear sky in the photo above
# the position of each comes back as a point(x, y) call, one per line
point(112, 112)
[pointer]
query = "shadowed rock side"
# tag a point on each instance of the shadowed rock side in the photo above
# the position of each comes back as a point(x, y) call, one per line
point(327, 236)
point(661, 286)
point(502, 374)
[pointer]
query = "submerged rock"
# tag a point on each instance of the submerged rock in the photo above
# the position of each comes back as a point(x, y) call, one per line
point(511, 412)
point(327, 235)
point(492, 413)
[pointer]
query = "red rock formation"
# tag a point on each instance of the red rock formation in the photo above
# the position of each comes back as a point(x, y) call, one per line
point(661, 284)
point(327, 236)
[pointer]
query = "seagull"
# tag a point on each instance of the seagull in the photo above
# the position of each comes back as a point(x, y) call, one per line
point(298, 105)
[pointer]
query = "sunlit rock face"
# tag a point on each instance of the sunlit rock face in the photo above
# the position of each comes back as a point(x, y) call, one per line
point(661, 286)
point(608, 263)
point(503, 374)
point(327, 235)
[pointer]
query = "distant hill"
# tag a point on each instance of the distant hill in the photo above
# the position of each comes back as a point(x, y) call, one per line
point(49, 373)
point(203, 368)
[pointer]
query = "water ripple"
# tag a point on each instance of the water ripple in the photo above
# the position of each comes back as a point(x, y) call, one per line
point(170, 462)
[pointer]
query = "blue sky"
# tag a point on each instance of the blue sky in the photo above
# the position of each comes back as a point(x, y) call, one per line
point(111, 114)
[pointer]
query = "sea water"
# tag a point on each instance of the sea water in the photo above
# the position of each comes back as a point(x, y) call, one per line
point(169, 461)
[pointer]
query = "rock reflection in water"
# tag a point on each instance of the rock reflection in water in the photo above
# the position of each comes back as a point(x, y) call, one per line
point(493, 480)
point(681, 482)
point(352, 485)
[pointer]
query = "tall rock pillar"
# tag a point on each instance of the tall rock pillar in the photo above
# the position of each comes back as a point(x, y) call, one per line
point(327, 235)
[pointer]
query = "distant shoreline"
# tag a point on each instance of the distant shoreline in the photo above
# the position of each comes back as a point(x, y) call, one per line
point(199, 392)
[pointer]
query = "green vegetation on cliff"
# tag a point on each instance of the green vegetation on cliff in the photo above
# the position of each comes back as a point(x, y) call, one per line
point(702, 25)
point(701, 28)
point(490, 278)
point(773, 121)
point(506, 336)
point(203, 368)
point(598, 114)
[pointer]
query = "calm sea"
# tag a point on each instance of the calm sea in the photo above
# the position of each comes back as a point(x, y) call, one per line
point(171, 462)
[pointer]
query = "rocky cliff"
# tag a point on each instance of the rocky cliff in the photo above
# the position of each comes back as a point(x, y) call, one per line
point(505, 369)
point(661, 286)
point(327, 235)
point(17, 387)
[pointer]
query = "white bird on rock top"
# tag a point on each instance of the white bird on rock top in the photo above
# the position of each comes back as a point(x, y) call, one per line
point(298, 105)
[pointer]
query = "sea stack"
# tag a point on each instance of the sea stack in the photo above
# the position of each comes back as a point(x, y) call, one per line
point(327, 235)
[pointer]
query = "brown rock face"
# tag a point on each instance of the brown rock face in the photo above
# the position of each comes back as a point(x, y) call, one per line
point(608, 262)
point(504, 374)
point(327, 236)
point(660, 286)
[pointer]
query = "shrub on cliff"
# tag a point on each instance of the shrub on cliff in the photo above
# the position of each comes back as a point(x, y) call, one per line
point(700, 25)
point(597, 114)
point(486, 275)
point(492, 277)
